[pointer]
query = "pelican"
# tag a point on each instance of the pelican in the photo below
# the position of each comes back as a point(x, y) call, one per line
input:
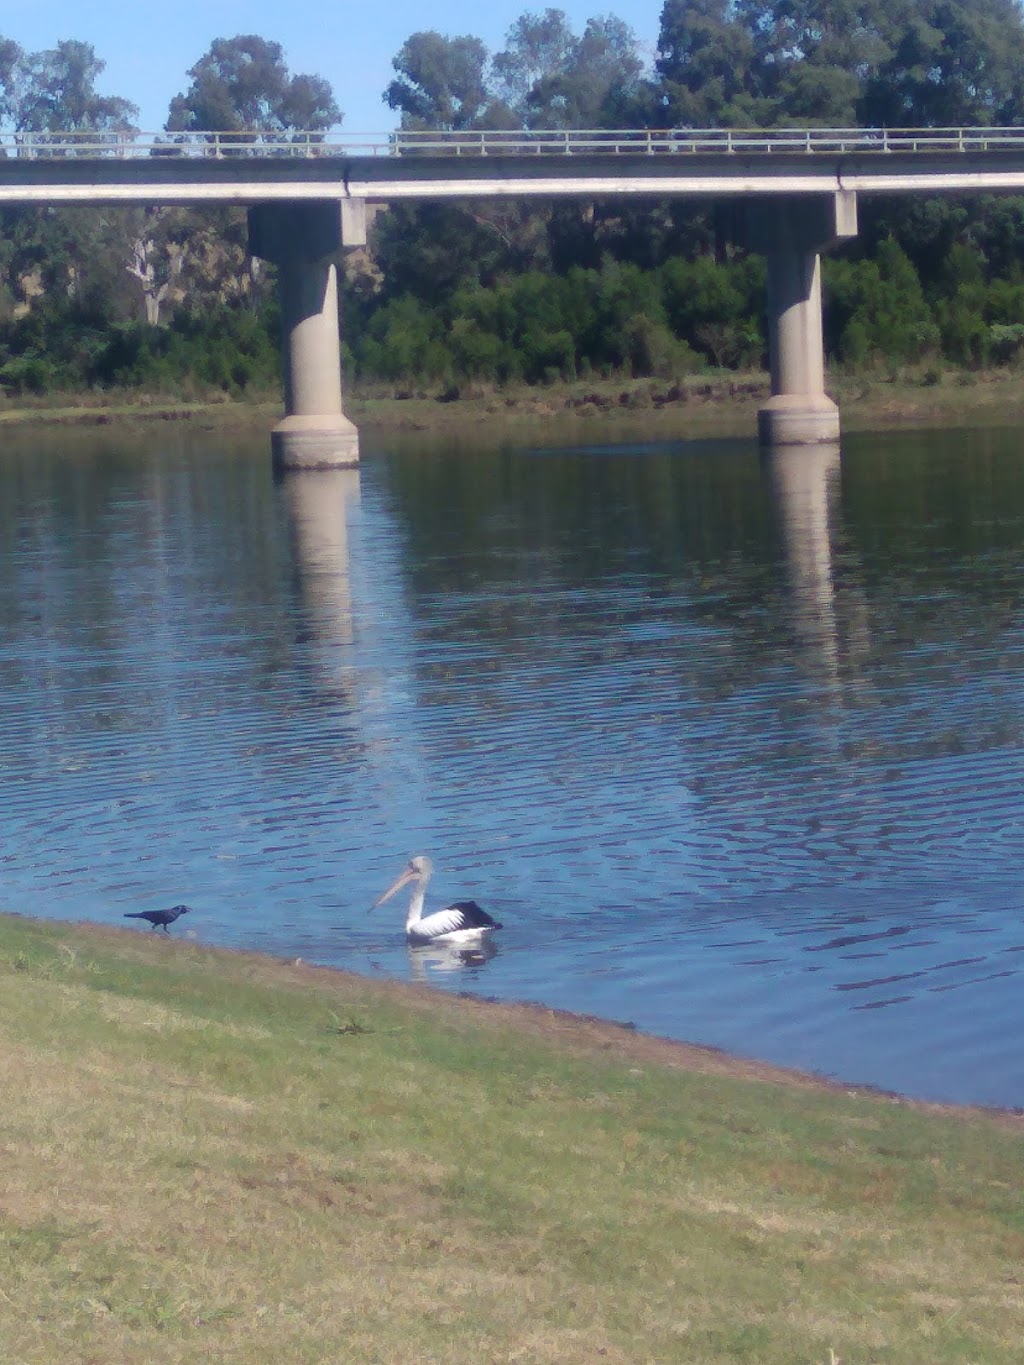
point(463, 922)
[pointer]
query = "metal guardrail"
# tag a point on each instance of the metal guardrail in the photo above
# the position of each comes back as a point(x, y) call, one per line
point(501, 142)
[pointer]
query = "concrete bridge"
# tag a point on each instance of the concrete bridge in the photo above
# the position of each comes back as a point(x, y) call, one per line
point(307, 196)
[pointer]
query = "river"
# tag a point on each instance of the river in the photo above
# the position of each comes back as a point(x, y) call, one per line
point(732, 745)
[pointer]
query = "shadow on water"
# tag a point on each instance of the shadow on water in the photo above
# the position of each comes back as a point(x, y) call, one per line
point(731, 745)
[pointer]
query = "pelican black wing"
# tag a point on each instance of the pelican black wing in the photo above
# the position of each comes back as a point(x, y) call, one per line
point(473, 917)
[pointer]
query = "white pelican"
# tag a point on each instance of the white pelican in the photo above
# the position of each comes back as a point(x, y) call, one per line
point(463, 922)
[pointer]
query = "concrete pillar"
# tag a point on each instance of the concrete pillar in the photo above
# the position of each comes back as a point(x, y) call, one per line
point(791, 232)
point(303, 241)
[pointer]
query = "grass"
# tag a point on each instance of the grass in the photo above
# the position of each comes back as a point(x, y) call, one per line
point(216, 1156)
point(716, 403)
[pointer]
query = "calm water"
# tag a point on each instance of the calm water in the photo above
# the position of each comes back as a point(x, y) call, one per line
point(735, 749)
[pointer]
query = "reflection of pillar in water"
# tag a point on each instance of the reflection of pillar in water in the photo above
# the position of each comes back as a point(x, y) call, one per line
point(319, 505)
point(805, 482)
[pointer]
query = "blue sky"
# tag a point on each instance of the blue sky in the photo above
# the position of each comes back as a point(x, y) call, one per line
point(148, 48)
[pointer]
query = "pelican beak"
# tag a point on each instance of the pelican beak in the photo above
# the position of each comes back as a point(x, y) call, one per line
point(410, 874)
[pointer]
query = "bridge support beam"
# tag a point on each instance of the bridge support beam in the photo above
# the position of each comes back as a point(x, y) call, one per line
point(303, 240)
point(792, 232)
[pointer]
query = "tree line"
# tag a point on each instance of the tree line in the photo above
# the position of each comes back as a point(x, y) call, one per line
point(168, 299)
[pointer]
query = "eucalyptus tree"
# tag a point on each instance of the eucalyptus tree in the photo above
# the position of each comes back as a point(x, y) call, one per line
point(873, 63)
point(441, 83)
point(243, 85)
point(705, 65)
point(538, 49)
point(10, 59)
point(55, 91)
point(602, 68)
point(550, 77)
point(950, 63)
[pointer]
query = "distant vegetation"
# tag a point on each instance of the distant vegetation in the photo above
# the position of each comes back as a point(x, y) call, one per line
point(167, 299)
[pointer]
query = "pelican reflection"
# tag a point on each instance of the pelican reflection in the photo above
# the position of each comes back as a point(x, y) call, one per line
point(435, 959)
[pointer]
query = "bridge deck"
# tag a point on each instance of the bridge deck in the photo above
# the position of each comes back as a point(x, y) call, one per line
point(248, 168)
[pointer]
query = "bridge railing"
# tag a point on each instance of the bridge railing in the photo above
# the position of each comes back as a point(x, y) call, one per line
point(702, 141)
point(681, 142)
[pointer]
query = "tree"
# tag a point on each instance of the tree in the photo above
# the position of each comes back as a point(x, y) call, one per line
point(603, 66)
point(878, 307)
point(10, 59)
point(705, 62)
point(441, 84)
point(429, 250)
point(952, 63)
point(155, 263)
point(876, 63)
point(538, 49)
point(55, 91)
point(243, 85)
point(550, 78)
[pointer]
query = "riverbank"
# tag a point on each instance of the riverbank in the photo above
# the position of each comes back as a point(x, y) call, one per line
point(217, 1155)
point(701, 405)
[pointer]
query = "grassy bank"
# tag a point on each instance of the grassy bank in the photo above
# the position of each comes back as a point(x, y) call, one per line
point(714, 404)
point(216, 1156)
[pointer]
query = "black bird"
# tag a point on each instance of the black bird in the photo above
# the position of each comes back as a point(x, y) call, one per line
point(159, 919)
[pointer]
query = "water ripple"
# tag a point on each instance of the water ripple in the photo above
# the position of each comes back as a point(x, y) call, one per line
point(734, 750)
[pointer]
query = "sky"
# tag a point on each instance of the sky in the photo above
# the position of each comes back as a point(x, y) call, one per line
point(148, 48)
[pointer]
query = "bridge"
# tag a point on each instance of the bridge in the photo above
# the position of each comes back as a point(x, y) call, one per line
point(307, 194)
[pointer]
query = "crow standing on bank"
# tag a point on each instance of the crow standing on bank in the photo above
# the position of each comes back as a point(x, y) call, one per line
point(159, 919)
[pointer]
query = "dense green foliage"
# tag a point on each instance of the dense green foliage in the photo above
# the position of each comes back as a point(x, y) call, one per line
point(168, 300)
point(684, 315)
point(230, 351)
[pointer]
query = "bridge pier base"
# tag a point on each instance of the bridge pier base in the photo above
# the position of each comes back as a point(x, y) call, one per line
point(792, 232)
point(302, 240)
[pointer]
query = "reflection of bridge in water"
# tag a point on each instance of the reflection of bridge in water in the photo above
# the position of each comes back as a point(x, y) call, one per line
point(307, 197)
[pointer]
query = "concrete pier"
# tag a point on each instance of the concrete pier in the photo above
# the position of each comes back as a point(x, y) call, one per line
point(791, 232)
point(303, 240)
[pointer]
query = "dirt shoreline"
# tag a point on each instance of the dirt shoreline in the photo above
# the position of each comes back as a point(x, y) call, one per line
point(710, 405)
